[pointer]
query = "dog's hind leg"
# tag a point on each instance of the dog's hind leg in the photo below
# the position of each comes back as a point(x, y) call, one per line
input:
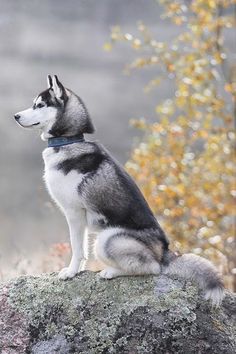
point(124, 254)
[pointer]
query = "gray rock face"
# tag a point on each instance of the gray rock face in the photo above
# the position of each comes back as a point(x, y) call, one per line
point(42, 315)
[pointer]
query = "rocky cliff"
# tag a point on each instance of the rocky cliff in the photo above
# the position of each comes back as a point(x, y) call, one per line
point(43, 315)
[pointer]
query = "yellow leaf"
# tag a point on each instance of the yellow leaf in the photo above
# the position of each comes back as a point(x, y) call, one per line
point(107, 46)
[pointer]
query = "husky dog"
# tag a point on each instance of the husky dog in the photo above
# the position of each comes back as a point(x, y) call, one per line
point(96, 195)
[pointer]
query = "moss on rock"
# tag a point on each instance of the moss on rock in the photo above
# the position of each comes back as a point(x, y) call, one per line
point(124, 315)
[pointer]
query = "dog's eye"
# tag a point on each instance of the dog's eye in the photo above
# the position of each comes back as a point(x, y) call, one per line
point(40, 105)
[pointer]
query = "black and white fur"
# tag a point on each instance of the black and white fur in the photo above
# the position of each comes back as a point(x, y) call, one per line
point(97, 195)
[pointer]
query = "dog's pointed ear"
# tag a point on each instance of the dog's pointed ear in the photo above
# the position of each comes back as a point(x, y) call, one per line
point(57, 86)
point(49, 81)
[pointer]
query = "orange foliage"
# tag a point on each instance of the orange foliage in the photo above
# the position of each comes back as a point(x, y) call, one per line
point(185, 163)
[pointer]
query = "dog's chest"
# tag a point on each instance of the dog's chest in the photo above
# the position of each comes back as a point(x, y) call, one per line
point(63, 188)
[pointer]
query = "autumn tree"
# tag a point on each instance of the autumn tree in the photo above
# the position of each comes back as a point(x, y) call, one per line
point(185, 161)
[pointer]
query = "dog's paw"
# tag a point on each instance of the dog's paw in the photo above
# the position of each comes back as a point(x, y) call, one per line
point(109, 273)
point(67, 273)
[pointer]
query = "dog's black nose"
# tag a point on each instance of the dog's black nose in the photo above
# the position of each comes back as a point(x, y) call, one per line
point(17, 116)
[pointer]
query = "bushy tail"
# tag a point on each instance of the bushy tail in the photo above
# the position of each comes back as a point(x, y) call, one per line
point(198, 269)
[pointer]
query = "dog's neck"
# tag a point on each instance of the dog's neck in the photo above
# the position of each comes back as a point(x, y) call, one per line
point(65, 140)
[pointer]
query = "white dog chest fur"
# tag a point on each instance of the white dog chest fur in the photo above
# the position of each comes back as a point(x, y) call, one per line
point(62, 188)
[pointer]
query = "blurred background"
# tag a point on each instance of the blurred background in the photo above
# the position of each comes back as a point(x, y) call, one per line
point(162, 41)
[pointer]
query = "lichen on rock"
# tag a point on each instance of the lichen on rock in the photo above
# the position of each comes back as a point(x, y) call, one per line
point(149, 314)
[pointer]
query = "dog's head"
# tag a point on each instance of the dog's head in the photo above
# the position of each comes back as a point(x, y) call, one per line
point(56, 111)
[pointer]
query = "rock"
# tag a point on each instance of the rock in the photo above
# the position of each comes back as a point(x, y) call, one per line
point(43, 315)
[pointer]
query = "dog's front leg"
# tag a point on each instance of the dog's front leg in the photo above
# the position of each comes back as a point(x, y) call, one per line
point(77, 225)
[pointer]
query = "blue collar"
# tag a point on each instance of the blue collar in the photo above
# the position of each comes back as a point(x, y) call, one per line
point(65, 140)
